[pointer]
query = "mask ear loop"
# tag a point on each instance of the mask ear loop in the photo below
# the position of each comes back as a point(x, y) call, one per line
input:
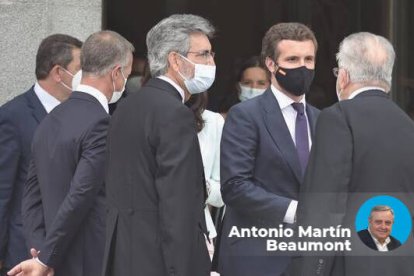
point(113, 81)
point(278, 69)
point(181, 75)
point(70, 74)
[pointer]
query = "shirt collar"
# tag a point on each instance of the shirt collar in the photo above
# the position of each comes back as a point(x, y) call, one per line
point(176, 86)
point(94, 93)
point(359, 91)
point(48, 101)
point(387, 240)
point(283, 100)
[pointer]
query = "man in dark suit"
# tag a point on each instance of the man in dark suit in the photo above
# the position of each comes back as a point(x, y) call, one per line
point(57, 59)
point(155, 182)
point(364, 145)
point(378, 235)
point(63, 202)
point(264, 150)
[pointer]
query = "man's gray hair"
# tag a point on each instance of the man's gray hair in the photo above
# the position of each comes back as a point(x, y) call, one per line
point(103, 50)
point(367, 58)
point(381, 208)
point(172, 34)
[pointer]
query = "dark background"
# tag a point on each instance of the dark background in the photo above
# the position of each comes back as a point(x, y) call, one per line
point(241, 24)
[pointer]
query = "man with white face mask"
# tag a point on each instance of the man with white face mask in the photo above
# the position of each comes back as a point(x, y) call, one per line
point(57, 57)
point(155, 183)
point(364, 146)
point(63, 205)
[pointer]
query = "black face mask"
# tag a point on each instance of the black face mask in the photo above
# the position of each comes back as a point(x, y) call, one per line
point(296, 81)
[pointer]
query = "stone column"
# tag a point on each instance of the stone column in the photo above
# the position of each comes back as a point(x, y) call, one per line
point(24, 23)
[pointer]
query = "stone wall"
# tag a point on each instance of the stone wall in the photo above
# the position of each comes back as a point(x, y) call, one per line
point(24, 23)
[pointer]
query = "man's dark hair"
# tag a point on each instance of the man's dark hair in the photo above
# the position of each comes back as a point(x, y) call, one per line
point(284, 31)
point(55, 50)
point(198, 103)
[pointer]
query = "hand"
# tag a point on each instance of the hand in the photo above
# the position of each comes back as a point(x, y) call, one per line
point(34, 253)
point(30, 268)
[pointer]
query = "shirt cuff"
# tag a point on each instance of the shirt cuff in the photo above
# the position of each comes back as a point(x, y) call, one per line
point(291, 212)
point(40, 262)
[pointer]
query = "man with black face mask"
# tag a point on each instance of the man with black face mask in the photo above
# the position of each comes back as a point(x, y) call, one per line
point(264, 152)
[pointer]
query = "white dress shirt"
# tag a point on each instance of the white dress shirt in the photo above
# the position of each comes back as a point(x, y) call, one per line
point(94, 93)
point(176, 86)
point(380, 246)
point(209, 138)
point(289, 114)
point(46, 99)
point(359, 91)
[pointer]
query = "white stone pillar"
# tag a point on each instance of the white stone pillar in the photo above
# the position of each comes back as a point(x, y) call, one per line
point(24, 23)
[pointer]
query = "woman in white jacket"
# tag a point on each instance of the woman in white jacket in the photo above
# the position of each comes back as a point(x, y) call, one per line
point(209, 127)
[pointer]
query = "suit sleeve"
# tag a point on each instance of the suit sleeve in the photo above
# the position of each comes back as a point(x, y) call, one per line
point(238, 158)
point(32, 210)
point(179, 184)
point(214, 197)
point(323, 199)
point(329, 169)
point(9, 161)
point(85, 185)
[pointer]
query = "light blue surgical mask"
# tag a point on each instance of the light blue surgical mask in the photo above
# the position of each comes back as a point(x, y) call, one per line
point(204, 76)
point(247, 92)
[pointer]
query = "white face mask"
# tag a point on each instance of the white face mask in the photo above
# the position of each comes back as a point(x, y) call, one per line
point(70, 74)
point(246, 92)
point(204, 76)
point(118, 94)
point(76, 80)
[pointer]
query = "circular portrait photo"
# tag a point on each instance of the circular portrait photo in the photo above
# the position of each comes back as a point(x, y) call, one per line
point(383, 223)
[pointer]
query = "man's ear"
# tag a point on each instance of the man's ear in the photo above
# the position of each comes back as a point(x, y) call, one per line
point(270, 64)
point(343, 80)
point(55, 73)
point(115, 72)
point(173, 61)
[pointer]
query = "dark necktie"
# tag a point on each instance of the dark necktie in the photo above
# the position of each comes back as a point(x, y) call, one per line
point(301, 135)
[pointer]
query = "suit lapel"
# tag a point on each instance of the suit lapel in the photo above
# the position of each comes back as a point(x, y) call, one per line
point(278, 130)
point(38, 111)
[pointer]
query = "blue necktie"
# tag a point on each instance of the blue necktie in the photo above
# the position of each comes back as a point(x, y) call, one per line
point(301, 135)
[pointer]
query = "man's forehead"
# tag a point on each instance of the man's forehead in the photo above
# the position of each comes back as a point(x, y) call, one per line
point(382, 215)
point(296, 47)
point(199, 41)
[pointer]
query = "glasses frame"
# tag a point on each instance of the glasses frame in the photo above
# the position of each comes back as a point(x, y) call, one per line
point(204, 54)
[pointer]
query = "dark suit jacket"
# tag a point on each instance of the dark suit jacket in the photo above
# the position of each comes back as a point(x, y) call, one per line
point(18, 121)
point(366, 238)
point(155, 187)
point(363, 147)
point(63, 203)
point(260, 175)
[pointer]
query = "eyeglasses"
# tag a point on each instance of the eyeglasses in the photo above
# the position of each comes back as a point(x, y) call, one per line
point(335, 71)
point(204, 54)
